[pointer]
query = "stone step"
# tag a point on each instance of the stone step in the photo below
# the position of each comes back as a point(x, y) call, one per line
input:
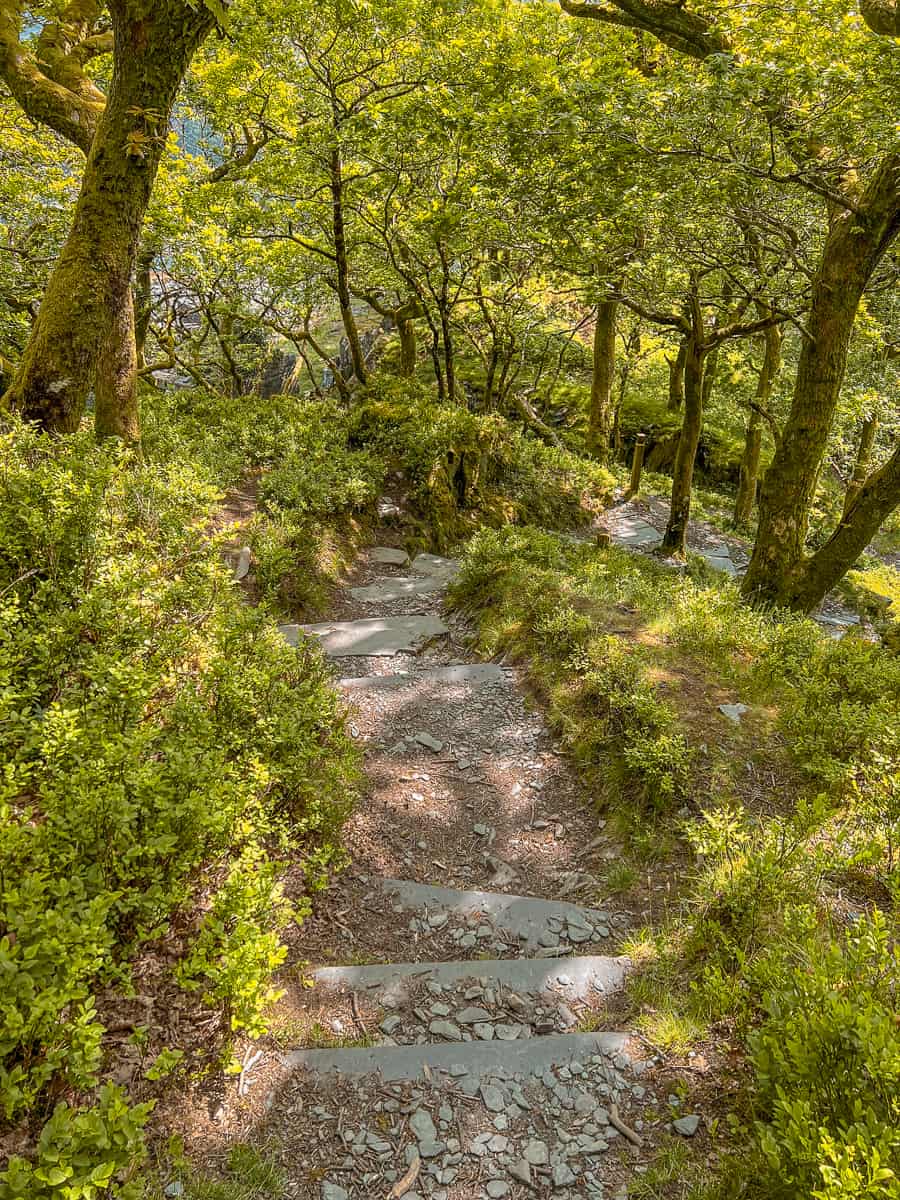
point(388, 556)
point(469, 1061)
point(557, 979)
point(374, 636)
point(399, 588)
point(543, 927)
point(477, 674)
point(433, 564)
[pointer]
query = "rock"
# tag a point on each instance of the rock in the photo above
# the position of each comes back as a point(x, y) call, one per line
point(733, 712)
point(472, 1016)
point(563, 1175)
point(175, 1188)
point(496, 1188)
point(483, 1031)
point(536, 1153)
point(430, 743)
point(446, 1029)
point(687, 1126)
point(389, 1024)
point(242, 567)
point(492, 1097)
point(422, 1127)
point(522, 1171)
point(333, 1191)
point(438, 920)
point(389, 556)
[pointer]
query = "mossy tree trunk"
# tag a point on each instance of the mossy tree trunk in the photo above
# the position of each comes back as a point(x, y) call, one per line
point(676, 378)
point(675, 538)
point(749, 477)
point(88, 300)
point(601, 414)
point(876, 500)
point(342, 266)
point(857, 241)
point(861, 465)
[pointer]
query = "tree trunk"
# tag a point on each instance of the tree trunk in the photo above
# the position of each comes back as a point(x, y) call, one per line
point(342, 266)
point(709, 374)
point(675, 538)
point(143, 302)
point(676, 378)
point(855, 244)
point(600, 416)
point(749, 476)
point(90, 284)
point(746, 497)
point(407, 333)
point(876, 500)
point(861, 466)
point(116, 412)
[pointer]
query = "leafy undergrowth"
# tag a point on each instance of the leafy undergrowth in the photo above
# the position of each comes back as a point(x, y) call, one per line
point(783, 829)
point(165, 757)
point(466, 470)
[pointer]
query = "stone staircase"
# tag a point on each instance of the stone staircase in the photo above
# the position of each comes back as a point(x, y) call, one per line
point(482, 1062)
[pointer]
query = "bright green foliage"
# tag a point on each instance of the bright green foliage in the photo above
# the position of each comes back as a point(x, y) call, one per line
point(750, 937)
point(827, 1062)
point(159, 741)
point(83, 1155)
point(466, 469)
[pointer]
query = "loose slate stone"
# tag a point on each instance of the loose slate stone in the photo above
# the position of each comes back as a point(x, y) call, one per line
point(422, 1127)
point(497, 1188)
point(472, 1016)
point(733, 712)
point(446, 1029)
point(536, 1153)
point(563, 1175)
point(333, 1191)
point(522, 1171)
point(430, 743)
point(687, 1126)
point(492, 1097)
point(242, 567)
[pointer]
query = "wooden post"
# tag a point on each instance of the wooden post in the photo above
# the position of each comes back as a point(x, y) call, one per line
point(637, 465)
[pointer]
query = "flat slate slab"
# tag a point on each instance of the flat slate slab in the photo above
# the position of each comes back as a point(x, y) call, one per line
point(633, 531)
point(526, 1057)
point(530, 921)
point(397, 589)
point(566, 978)
point(376, 636)
point(388, 556)
point(433, 564)
point(720, 558)
point(476, 674)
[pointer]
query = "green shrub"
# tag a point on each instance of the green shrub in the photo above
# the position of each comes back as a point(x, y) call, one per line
point(827, 1063)
point(160, 743)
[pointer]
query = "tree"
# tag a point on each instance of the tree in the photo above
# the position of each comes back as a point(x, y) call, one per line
point(84, 331)
point(863, 220)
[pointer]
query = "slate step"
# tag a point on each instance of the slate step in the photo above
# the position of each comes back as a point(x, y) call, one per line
point(388, 556)
point(433, 564)
point(560, 979)
point(543, 927)
point(472, 1060)
point(375, 636)
point(398, 588)
point(477, 674)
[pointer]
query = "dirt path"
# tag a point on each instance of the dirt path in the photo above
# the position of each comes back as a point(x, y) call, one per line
point(449, 1026)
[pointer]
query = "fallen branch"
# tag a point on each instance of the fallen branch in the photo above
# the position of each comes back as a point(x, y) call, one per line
point(402, 1186)
point(626, 1131)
